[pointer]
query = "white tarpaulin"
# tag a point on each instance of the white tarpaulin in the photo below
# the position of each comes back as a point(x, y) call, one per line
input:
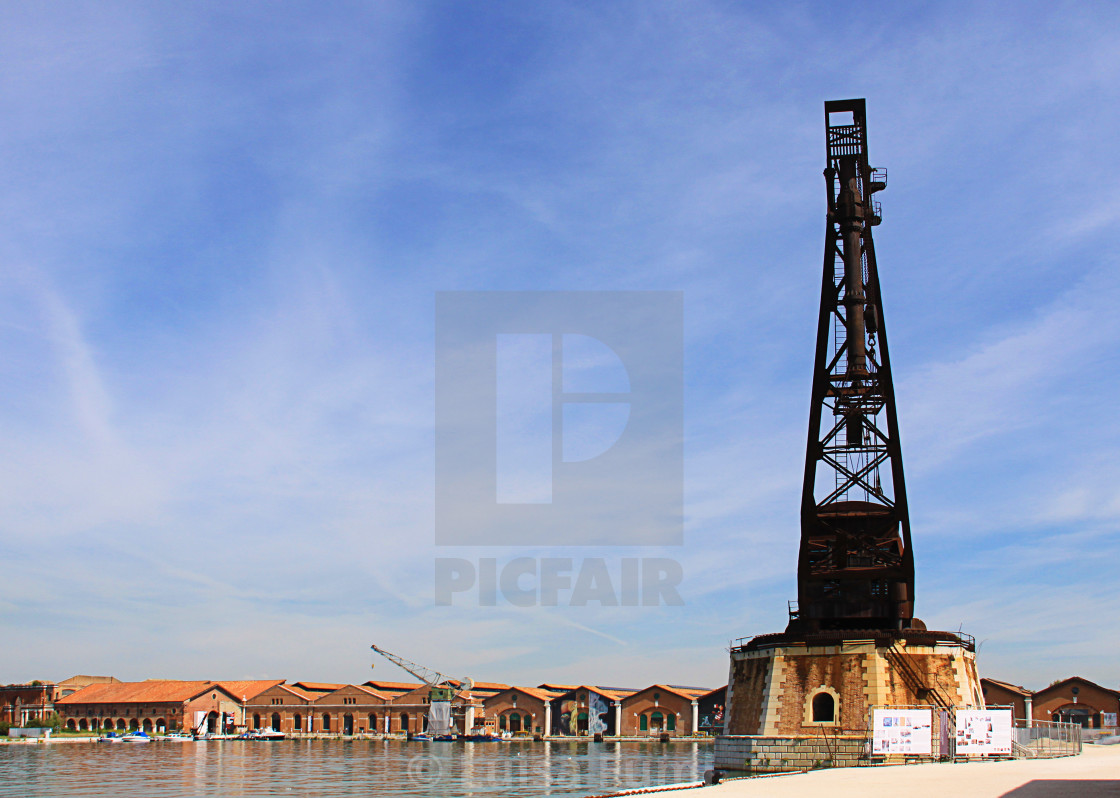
point(439, 717)
point(983, 731)
point(902, 731)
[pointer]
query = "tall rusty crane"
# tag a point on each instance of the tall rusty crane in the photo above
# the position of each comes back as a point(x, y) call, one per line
point(440, 687)
point(855, 566)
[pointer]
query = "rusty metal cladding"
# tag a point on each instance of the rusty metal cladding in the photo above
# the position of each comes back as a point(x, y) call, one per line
point(856, 566)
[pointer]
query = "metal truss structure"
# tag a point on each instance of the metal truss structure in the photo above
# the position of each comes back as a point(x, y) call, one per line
point(856, 565)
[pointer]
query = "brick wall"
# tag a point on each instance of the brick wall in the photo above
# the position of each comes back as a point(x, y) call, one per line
point(774, 688)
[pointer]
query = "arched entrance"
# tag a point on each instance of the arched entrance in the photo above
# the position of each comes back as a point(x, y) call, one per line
point(256, 721)
point(71, 726)
point(147, 725)
point(372, 723)
point(1084, 716)
point(108, 724)
point(212, 722)
point(161, 725)
point(515, 721)
point(348, 724)
point(275, 721)
point(82, 725)
point(326, 722)
point(133, 725)
point(404, 722)
point(297, 722)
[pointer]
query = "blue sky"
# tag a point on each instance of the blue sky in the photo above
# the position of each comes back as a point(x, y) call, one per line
point(222, 233)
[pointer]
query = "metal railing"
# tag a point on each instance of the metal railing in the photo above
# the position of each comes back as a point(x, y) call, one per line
point(1045, 739)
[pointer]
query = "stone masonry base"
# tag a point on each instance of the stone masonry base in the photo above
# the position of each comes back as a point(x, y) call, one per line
point(755, 754)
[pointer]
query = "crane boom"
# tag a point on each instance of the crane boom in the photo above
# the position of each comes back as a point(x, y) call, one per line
point(426, 675)
point(441, 692)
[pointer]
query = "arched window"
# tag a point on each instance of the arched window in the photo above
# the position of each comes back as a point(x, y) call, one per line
point(824, 708)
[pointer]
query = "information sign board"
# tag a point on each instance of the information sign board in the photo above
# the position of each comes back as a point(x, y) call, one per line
point(902, 731)
point(983, 731)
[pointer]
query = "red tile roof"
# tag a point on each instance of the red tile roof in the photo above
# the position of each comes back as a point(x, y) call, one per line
point(247, 690)
point(691, 693)
point(157, 691)
point(1014, 688)
point(296, 692)
point(152, 691)
point(318, 687)
point(401, 685)
point(613, 693)
point(536, 692)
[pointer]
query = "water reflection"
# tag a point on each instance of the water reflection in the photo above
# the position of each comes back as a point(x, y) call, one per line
point(346, 768)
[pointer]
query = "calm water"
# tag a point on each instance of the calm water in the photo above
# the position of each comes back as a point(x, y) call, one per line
point(344, 768)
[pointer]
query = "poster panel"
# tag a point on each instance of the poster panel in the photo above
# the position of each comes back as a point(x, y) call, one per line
point(983, 731)
point(902, 731)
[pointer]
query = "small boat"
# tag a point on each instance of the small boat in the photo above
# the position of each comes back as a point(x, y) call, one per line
point(270, 734)
point(423, 737)
point(178, 737)
point(479, 734)
point(444, 738)
point(136, 737)
point(111, 737)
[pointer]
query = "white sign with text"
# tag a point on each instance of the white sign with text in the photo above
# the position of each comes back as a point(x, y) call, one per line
point(983, 731)
point(902, 731)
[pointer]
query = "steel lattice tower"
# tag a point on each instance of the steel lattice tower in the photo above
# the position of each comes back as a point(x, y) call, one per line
point(856, 566)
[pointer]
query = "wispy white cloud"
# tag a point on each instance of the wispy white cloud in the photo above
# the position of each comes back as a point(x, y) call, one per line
point(220, 250)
